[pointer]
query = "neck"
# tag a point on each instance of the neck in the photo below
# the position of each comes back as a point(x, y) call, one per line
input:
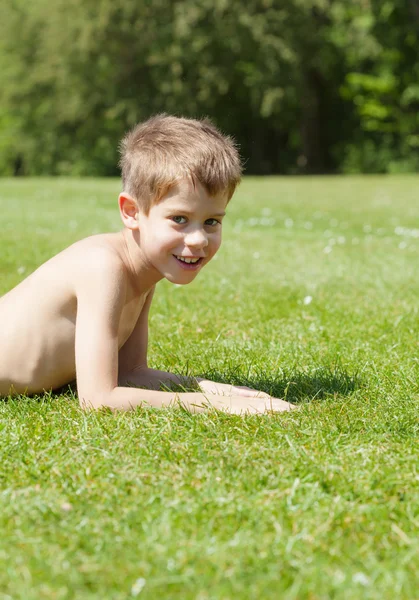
point(143, 275)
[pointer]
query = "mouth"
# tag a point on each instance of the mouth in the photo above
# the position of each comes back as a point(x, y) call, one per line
point(189, 263)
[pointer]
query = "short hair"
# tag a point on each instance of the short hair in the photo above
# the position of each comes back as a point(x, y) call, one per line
point(157, 153)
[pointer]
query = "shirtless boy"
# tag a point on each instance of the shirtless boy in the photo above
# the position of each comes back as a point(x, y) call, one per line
point(83, 314)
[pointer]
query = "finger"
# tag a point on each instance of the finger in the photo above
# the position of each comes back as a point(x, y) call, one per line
point(242, 390)
point(280, 406)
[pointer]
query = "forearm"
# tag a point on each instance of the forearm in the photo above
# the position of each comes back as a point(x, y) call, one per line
point(211, 395)
point(152, 379)
point(125, 398)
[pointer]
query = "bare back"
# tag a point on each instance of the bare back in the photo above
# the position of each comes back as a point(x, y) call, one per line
point(38, 317)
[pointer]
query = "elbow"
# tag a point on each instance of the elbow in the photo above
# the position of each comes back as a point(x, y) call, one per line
point(87, 405)
point(90, 402)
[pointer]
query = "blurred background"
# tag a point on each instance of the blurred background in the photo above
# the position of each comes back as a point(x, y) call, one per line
point(305, 86)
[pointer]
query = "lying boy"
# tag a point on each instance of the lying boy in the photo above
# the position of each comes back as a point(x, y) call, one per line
point(84, 314)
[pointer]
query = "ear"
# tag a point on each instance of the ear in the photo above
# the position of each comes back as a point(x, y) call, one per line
point(128, 209)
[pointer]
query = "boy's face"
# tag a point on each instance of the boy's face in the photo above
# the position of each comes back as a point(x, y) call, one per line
point(182, 232)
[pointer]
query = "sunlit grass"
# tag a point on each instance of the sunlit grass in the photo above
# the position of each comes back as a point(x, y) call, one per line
point(313, 297)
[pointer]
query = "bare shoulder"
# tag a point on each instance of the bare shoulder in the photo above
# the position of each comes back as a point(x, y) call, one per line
point(88, 264)
point(97, 256)
point(104, 247)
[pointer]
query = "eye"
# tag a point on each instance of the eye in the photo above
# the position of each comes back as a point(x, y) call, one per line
point(179, 220)
point(212, 222)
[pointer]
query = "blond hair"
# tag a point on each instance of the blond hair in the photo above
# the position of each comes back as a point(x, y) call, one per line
point(162, 150)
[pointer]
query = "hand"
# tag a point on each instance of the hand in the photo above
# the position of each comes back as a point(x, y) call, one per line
point(240, 405)
point(226, 389)
point(255, 402)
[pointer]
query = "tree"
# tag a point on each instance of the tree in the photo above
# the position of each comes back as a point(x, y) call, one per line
point(304, 85)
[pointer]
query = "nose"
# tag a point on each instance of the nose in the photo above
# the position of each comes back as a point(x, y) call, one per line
point(196, 238)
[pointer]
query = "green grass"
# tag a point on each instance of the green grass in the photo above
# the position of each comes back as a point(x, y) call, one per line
point(319, 503)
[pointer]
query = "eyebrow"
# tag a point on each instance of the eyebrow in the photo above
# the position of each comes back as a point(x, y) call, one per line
point(187, 211)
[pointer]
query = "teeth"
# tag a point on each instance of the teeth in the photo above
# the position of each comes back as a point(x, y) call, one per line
point(187, 260)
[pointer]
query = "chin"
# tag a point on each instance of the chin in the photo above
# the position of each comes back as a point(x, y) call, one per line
point(180, 280)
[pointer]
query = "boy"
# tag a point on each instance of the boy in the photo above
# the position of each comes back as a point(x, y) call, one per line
point(83, 314)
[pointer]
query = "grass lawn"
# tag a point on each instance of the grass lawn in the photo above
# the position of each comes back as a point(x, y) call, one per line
point(313, 297)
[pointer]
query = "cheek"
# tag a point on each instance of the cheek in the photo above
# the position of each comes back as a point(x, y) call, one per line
point(216, 243)
point(165, 237)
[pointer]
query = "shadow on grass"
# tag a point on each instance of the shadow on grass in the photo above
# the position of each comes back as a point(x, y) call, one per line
point(296, 386)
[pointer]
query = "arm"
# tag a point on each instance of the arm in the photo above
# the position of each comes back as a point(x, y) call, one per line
point(133, 368)
point(134, 371)
point(221, 396)
point(101, 291)
point(100, 300)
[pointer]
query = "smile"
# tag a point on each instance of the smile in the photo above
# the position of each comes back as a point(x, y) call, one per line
point(188, 260)
point(188, 263)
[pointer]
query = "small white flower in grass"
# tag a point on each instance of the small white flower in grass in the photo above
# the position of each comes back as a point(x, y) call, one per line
point(266, 212)
point(138, 586)
point(21, 270)
point(367, 229)
point(308, 225)
point(288, 223)
point(256, 255)
point(266, 221)
point(360, 578)
point(407, 232)
point(235, 541)
point(308, 300)
point(171, 564)
point(327, 249)
point(341, 239)
point(333, 222)
point(339, 576)
point(402, 245)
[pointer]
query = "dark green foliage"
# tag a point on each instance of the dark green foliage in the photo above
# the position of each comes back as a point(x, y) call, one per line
point(304, 85)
